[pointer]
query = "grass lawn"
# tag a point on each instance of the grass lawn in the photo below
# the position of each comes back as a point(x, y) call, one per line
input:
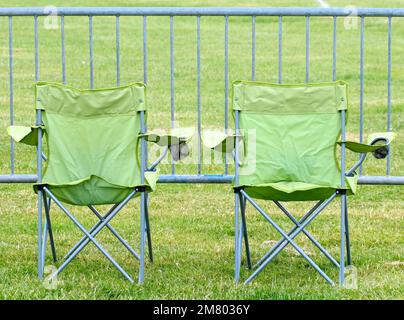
point(192, 225)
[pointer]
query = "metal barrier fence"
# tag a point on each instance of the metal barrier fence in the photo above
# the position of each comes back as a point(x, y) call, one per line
point(117, 12)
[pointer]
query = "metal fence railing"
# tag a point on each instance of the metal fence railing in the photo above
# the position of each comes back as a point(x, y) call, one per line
point(305, 13)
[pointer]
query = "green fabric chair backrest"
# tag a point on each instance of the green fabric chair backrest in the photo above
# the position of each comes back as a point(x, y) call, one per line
point(295, 129)
point(92, 141)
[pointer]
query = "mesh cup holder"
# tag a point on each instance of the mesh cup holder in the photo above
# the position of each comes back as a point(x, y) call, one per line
point(382, 152)
point(179, 151)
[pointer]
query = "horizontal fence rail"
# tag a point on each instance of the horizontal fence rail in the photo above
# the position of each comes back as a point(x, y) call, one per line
point(195, 11)
point(171, 12)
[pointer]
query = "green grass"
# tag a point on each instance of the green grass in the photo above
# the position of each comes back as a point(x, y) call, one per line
point(192, 225)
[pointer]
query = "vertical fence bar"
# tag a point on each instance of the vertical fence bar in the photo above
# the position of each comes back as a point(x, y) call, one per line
point(11, 93)
point(143, 199)
point(172, 81)
point(62, 30)
point(145, 76)
point(237, 250)
point(198, 63)
point(334, 49)
point(389, 89)
point(38, 122)
point(117, 50)
point(280, 49)
point(361, 94)
point(226, 86)
point(307, 48)
point(36, 48)
point(90, 44)
point(253, 48)
point(145, 49)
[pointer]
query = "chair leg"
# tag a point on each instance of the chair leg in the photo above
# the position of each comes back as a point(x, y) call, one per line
point(289, 239)
point(237, 253)
point(40, 259)
point(113, 231)
point(348, 242)
point(342, 244)
point(142, 235)
point(245, 232)
point(47, 203)
point(90, 236)
point(149, 240)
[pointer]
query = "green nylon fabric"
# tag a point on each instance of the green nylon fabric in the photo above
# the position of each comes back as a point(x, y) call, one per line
point(289, 135)
point(219, 140)
point(92, 142)
point(385, 137)
point(23, 134)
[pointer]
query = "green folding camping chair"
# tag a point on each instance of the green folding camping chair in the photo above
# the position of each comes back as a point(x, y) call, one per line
point(289, 136)
point(95, 154)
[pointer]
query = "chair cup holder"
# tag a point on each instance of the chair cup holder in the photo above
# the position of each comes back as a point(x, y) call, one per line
point(383, 152)
point(179, 151)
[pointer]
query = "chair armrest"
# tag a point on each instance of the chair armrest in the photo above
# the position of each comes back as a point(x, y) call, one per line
point(378, 144)
point(219, 141)
point(24, 134)
point(158, 160)
point(174, 139)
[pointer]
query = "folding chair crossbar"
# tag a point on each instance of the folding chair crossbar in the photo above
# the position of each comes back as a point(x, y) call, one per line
point(47, 230)
point(91, 230)
point(48, 227)
point(147, 222)
point(308, 235)
point(289, 239)
point(244, 231)
point(90, 236)
point(348, 245)
point(290, 232)
point(115, 233)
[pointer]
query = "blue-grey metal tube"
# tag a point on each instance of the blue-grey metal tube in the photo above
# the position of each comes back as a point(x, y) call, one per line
point(11, 93)
point(334, 49)
point(207, 178)
point(115, 233)
point(253, 18)
point(43, 245)
point(361, 94)
point(39, 177)
point(36, 48)
point(96, 225)
point(289, 233)
point(118, 51)
point(280, 49)
point(204, 11)
point(172, 101)
point(62, 36)
point(91, 53)
point(237, 249)
point(389, 90)
point(145, 49)
point(90, 237)
point(226, 86)
point(343, 138)
point(289, 239)
point(307, 48)
point(198, 65)
point(343, 203)
point(362, 47)
point(308, 234)
point(142, 199)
